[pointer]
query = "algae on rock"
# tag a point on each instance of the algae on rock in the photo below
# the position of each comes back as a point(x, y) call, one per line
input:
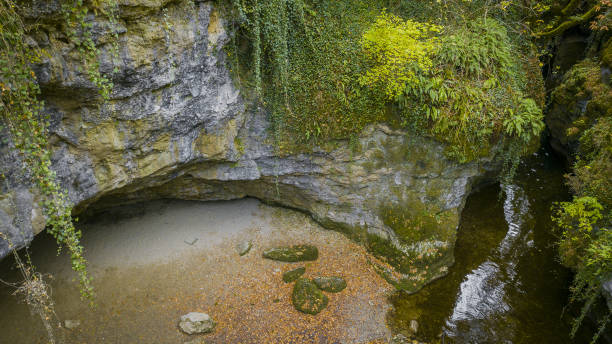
point(333, 284)
point(297, 253)
point(307, 297)
point(294, 274)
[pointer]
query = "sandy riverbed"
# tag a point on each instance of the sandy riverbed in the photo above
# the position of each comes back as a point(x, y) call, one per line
point(153, 262)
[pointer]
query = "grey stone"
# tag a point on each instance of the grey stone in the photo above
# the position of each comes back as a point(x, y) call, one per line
point(399, 339)
point(414, 326)
point(244, 247)
point(194, 323)
point(72, 324)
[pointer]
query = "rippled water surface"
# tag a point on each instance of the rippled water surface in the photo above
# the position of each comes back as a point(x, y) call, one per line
point(506, 285)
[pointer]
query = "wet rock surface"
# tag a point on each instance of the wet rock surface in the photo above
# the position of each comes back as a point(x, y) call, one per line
point(297, 253)
point(307, 297)
point(294, 274)
point(332, 284)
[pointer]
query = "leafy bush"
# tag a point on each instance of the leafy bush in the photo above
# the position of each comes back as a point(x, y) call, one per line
point(400, 50)
point(463, 87)
point(585, 245)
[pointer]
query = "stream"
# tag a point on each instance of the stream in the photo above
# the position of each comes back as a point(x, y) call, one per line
point(153, 262)
point(506, 285)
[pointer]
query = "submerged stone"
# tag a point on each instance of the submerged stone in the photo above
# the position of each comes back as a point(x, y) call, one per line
point(194, 322)
point(71, 324)
point(297, 253)
point(244, 247)
point(307, 297)
point(332, 284)
point(294, 274)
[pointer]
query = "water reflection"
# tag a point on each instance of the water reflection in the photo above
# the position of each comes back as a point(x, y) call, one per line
point(482, 294)
point(506, 286)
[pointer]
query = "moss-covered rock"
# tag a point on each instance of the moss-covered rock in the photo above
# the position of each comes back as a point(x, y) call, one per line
point(606, 53)
point(576, 105)
point(307, 297)
point(333, 284)
point(297, 253)
point(294, 274)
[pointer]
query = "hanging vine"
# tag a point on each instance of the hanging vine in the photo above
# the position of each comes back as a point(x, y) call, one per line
point(26, 123)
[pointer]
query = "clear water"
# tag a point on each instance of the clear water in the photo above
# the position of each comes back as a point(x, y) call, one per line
point(506, 285)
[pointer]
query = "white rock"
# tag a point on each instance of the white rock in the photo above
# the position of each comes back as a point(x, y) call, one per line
point(244, 247)
point(70, 324)
point(414, 326)
point(194, 322)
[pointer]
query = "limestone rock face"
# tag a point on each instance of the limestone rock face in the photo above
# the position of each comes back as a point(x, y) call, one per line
point(177, 127)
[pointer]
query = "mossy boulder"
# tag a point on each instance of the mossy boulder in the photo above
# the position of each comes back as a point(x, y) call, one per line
point(294, 274)
point(333, 284)
point(307, 297)
point(297, 253)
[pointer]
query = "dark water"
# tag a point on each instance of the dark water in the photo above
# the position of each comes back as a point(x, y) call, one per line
point(506, 285)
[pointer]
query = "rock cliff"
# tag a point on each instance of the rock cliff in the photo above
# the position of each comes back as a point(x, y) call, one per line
point(177, 127)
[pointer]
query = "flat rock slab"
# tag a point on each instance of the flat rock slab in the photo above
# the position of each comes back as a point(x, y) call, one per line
point(193, 323)
point(297, 253)
point(294, 274)
point(307, 297)
point(332, 284)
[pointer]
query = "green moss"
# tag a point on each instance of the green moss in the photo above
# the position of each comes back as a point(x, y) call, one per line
point(297, 253)
point(307, 297)
point(294, 274)
point(414, 221)
point(332, 284)
point(416, 272)
point(587, 98)
point(239, 145)
point(606, 53)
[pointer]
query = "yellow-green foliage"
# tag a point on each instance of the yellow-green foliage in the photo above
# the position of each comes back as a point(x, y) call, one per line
point(593, 168)
point(576, 219)
point(399, 49)
point(326, 69)
point(586, 222)
point(586, 245)
point(464, 87)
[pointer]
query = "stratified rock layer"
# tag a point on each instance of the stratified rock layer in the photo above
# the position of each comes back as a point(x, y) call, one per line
point(177, 127)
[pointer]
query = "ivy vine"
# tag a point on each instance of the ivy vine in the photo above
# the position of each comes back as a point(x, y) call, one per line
point(23, 114)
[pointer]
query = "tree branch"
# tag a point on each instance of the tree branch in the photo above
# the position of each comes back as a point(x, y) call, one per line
point(571, 22)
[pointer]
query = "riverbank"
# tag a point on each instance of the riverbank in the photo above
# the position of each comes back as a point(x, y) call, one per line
point(154, 262)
